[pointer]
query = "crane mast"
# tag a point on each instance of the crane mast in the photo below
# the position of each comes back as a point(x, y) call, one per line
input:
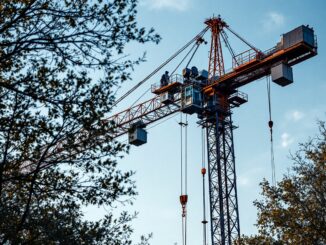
point(212, 97)
point(224, 212)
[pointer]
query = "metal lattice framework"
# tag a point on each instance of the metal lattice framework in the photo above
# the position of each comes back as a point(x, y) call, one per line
point(225, 225)
point(216, 62)
point(148, 112)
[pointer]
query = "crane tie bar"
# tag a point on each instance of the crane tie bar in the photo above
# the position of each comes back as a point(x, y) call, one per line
point(161, 66)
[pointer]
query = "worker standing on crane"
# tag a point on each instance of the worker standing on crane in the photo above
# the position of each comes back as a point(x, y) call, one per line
point(165, 79)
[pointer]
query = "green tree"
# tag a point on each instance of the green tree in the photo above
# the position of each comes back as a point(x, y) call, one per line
point(294, 211)
point(60, 64)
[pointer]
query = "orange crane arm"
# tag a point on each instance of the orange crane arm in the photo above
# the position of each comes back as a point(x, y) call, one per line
point(258, 66)
point(249, 67)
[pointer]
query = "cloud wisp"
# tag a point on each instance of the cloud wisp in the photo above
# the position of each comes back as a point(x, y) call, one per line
point(178, 5)
point(273, 21)
point(295, 116)
point(286, 140)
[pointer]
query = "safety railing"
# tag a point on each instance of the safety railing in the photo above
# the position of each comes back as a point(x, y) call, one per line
point(239, 94)
point(244, 57)
point(175, 78)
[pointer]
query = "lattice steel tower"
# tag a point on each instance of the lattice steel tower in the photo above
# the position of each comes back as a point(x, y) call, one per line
point(224, 210)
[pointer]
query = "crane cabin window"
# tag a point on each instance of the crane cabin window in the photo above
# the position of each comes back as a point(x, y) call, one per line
point(188, 95)
point(192, 99)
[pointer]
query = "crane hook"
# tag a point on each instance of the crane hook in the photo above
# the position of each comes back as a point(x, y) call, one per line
point(183, 201)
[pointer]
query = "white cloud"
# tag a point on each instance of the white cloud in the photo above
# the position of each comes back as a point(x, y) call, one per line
point(249, 177)
point(243, 181)
point(273, 20)
point(286, 140)
point(179, 5)
point(295, 115)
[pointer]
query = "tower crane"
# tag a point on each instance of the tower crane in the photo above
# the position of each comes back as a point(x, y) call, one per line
point(212, 95)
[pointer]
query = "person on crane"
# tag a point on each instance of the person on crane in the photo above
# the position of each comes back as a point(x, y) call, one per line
point(165, 79)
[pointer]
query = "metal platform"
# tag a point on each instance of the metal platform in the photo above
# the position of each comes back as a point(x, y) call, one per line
point(238, 98)
point(174, 85)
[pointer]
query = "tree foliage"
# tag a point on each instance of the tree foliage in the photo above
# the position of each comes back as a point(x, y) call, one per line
point(294, 211)
point(60, 62)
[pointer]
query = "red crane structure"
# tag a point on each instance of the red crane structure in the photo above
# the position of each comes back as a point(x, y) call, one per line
point(213, 95)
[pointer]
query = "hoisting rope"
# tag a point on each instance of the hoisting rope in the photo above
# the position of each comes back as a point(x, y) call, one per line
point(227, 44)
point(199, 41)
point(203, 172)
point(200, 35)
point(184, 177)
point(270, 125)
point(183, 59)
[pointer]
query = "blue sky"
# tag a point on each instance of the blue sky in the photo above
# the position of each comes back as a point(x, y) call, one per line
point(295, 109)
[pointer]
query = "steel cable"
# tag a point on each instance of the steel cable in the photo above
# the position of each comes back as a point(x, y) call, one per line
point(204, 192)
point(270, 124)
point(160, 67)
